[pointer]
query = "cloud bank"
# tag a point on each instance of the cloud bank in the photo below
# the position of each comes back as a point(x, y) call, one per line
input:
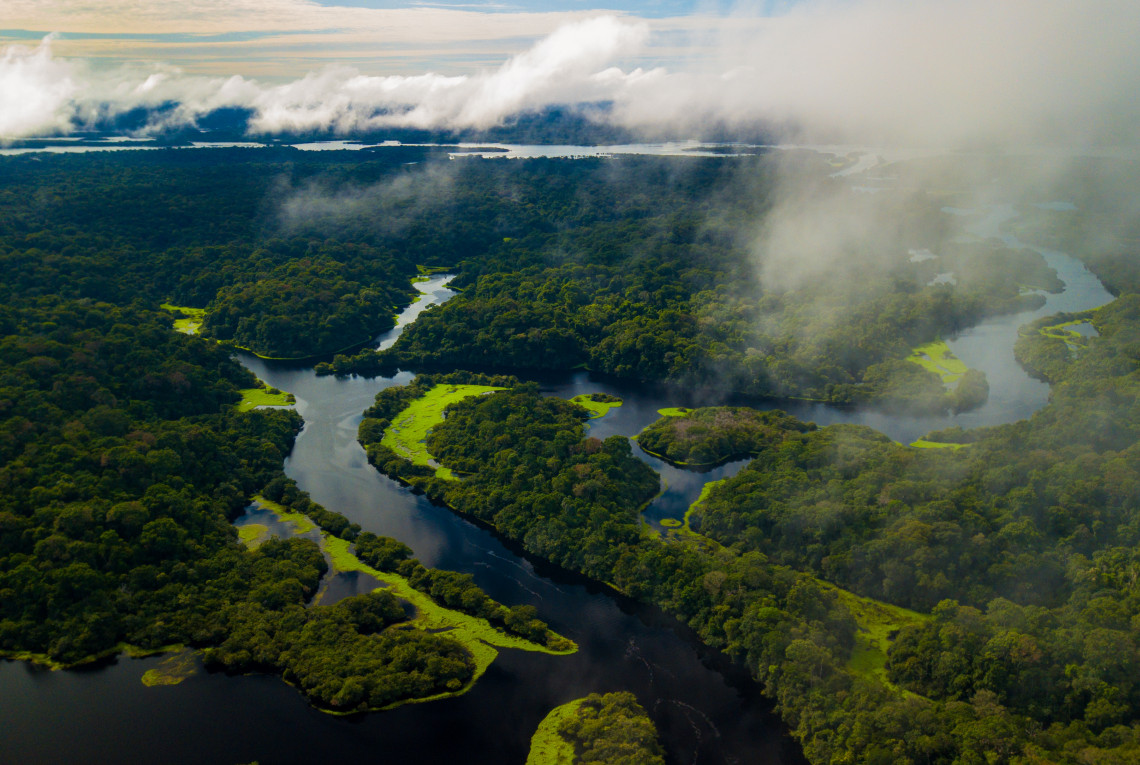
point(35, 91)
point(42, 94)
point(943, 73)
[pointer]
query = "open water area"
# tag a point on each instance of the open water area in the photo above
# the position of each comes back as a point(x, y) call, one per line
point(706, 709)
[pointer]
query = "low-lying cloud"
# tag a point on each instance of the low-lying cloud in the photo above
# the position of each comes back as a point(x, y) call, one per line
point(901, 72)
point(35, 91)
point(574, 64)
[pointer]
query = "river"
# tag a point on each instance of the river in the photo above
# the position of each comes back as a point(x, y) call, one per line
point(706, 712)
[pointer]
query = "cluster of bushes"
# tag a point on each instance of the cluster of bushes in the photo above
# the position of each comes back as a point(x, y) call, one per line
point(612, 729)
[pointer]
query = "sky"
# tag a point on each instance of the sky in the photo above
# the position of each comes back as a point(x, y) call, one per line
point(909, 73)
point(280, 39)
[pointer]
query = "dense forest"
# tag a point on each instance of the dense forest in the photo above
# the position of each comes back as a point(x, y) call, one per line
point(712, 435)
point(124, 457)
point(642, 269)
point(673, 297)
point(124, 460)
point(243, 233)
point(636, 267)
point(1021, 547)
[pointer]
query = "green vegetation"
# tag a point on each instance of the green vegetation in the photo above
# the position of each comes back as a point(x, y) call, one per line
point(445, 603)
point(440, 652)
point(923, 443)
point(652, 283)
point(229, 232)
point(253, 534)
point(673, 411)
point(299, 522)
point(598, 404)
point(1100, 229)
point(714, 435)
point(547, 746)
point(1047, 349)
point(474, 633)
point(251, 398)
point(960, 595)
point(172, 670)
point(597, 730)
point(407, 436)
point(1071, 337)
point(123, 458)
point(877, 623)
point(186, 320)
point(939, 359)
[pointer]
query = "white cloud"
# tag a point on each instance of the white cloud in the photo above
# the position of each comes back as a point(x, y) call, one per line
point(561, 68)
point(920, 72)
point(903, 72)
point(34, 91)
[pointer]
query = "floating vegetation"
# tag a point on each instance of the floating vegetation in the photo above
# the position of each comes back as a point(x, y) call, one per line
point(172, 670)
point(251, 398)
point(598, 404)
point(186, 320)
point(407, 435)
point(938, 358)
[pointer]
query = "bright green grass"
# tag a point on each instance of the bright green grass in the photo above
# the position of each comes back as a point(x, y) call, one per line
point(299, 521)
point(1072, 338)
point(546, 746)
point(937, 358)
point(193, 321)
point(671, 523)
point(253, 534)
point(597, 408)
point(251, 398)
point(172, 670)
point(475, 634)
point(673, 411)
point(407, 435)
point(43, 660)
point(922, 443)
point(708, 487)
point(429, 270)
point(876, 620)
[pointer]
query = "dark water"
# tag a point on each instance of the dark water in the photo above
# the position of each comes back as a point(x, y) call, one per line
point(706, 713)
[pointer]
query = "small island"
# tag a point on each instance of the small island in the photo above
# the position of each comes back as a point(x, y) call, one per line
point(597, 730)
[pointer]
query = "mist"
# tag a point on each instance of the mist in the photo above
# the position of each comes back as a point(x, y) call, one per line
point(1048, 81)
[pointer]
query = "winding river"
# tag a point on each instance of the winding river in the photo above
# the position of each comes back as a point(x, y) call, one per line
point(706, 711)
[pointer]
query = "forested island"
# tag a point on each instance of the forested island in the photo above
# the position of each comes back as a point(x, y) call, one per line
point(972, 603)
point(597, 730)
